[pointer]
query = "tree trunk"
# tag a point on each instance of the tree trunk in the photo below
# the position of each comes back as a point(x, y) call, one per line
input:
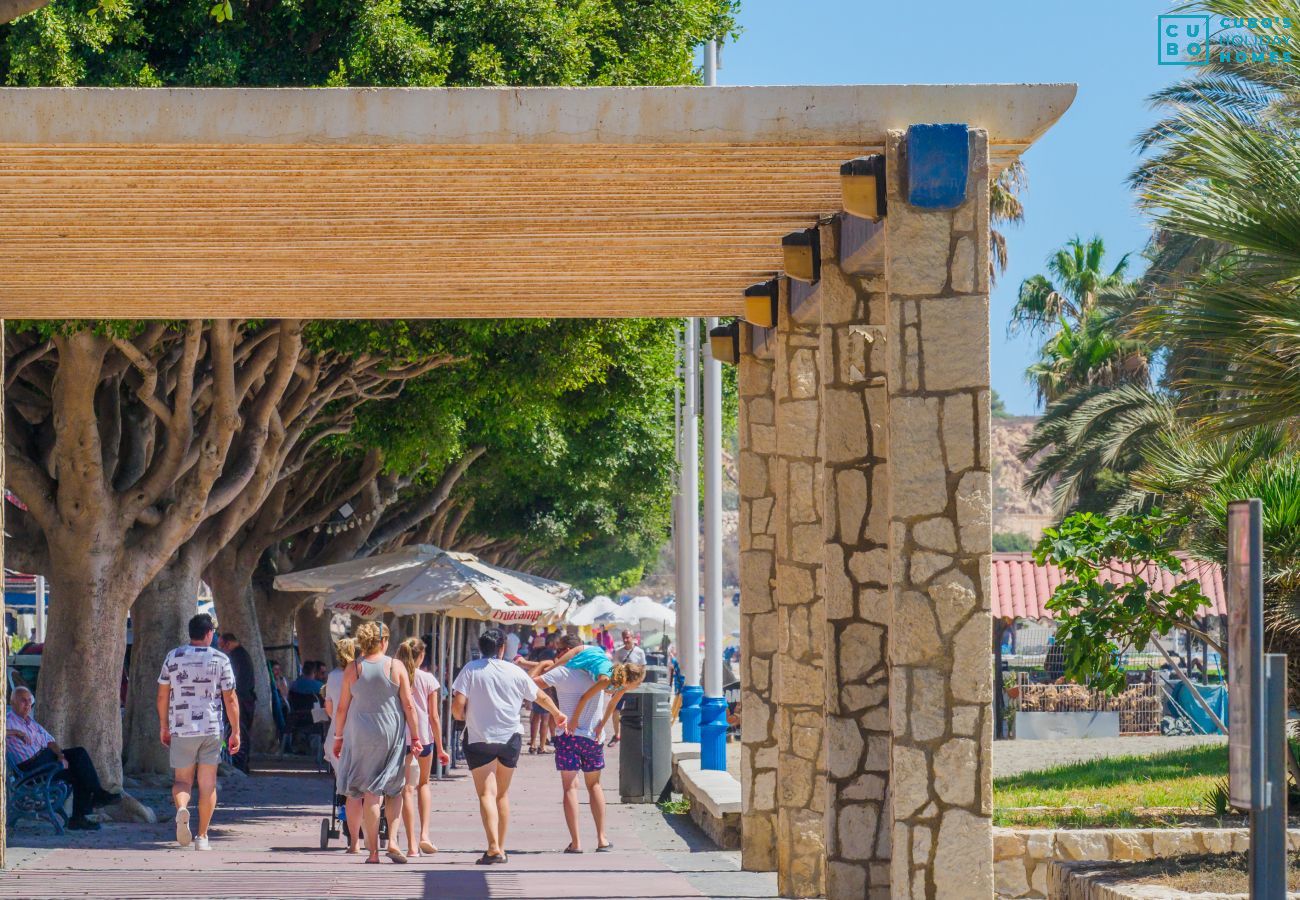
point(159, 620)
point(314, 638)
point(276, 613)
point(231, 580)
point(81, 667)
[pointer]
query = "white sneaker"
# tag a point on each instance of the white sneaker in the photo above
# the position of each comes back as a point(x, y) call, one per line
point(201, 843)
point(183, 827)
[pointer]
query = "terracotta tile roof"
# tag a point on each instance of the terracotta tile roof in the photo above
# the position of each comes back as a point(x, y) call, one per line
point(1021, 589)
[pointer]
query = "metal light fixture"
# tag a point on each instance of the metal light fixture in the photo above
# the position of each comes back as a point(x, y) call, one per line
point(862, 185)
point(803, 257)
point(761, 303)
point(724, 342)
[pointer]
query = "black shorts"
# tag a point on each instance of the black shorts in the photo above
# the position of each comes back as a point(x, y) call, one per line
point(428, 748)
point(480, 754)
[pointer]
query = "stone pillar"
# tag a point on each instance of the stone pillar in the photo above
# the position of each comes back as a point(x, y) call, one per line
point(939, 488)
point(854, 401)
point(758, 627)
point(800, 690)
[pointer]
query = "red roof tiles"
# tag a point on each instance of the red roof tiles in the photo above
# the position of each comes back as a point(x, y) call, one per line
point(1021, 589)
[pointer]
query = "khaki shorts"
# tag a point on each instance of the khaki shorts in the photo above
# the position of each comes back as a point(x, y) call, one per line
point(201, 749)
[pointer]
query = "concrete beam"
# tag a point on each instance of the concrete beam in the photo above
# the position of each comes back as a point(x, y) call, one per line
point(858, 115)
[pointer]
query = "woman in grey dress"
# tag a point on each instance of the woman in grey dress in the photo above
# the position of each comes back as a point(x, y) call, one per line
point(375, 711)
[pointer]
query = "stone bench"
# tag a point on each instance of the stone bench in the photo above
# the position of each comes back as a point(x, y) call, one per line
point(714, 796)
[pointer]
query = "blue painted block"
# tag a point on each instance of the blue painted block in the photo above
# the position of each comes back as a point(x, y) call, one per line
point(938, 160)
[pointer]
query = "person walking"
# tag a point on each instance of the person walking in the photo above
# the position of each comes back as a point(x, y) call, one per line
point(580, 749)
point(345, 651)
point(370, 738)
point(196, 681)
point(626, 653)
point(242, 665)
point(488, 696)
point(417, 799)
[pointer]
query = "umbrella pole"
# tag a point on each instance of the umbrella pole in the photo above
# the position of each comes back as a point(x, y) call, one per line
point(442, 671)
point(451, 668)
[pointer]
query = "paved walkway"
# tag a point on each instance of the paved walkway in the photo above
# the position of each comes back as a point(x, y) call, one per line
point(266, 844)
point(1013, 757)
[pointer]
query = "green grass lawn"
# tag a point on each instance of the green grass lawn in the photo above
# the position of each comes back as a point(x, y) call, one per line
point(1109, 790)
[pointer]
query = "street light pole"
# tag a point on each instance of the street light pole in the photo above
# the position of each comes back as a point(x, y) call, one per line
point(688, 563)
point(713, 716)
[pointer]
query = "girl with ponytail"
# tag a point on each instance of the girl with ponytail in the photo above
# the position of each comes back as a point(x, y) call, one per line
point(417, 802)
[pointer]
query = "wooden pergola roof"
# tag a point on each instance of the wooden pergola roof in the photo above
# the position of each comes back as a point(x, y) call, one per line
point(438, 202)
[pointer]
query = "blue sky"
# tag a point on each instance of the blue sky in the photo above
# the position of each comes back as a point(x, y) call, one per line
point(1076, 172)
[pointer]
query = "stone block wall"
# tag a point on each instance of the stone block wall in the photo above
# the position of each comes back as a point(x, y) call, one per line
point(800, 612)
point(1023, 857)
point(758, 628)
point(936, 269)
point(880, 682)
point(855, 561)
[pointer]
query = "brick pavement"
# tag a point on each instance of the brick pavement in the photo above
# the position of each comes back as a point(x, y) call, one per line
point(265, 843)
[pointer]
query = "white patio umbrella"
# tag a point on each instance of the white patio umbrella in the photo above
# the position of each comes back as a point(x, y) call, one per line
point(587, 613)
point(650, 619)
point(638, 611)
point(426, 579)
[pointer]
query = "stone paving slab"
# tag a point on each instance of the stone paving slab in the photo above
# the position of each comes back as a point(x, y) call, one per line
point(265, 843)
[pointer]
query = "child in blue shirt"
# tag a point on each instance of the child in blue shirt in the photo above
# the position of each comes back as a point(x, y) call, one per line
point(614, 678)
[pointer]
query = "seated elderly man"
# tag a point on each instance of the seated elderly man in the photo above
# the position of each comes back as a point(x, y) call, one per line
point(32, 746)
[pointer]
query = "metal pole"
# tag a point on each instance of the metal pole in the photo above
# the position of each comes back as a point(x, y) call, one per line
point(436, 636)
point(1268, 825)
point(689, 562)
point(713, 715)
point(679, 569)
point(40, 608)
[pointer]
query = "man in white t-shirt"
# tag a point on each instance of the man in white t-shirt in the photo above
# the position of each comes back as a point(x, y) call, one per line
point(195, 682)
point(512, 644)
point(583, 750)
point(489, 694)
point(626, 652)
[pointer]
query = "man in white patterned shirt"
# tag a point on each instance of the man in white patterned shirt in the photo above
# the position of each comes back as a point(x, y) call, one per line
point(196, 680)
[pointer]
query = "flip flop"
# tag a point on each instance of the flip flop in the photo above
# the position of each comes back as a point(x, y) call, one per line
point(486, 860)
point(571, 849)
point(606, 848)
point(427, 848)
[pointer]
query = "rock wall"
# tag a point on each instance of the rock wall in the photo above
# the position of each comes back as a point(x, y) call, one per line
point(879, 682)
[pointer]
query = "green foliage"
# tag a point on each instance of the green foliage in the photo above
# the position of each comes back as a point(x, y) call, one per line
point(997, 407)
point(350, 42)
point(1094, 615)
point(1078, 285)
point(1217, 800)
point(589, 485)
point(1088, 444)
point(1012, 542)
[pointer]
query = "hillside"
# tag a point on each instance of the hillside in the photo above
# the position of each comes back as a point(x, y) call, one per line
point(1014, 510)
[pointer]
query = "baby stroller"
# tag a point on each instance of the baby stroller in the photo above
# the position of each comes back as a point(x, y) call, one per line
point(336, 824)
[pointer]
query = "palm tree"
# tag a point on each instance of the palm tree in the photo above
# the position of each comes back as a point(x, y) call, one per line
point(1005, 207)
point(1087, 445)
point(1094, 353)
point(1235, 184)
point(1078, 286)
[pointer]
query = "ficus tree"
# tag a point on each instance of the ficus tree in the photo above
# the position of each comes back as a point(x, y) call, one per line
point(1098, 614)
